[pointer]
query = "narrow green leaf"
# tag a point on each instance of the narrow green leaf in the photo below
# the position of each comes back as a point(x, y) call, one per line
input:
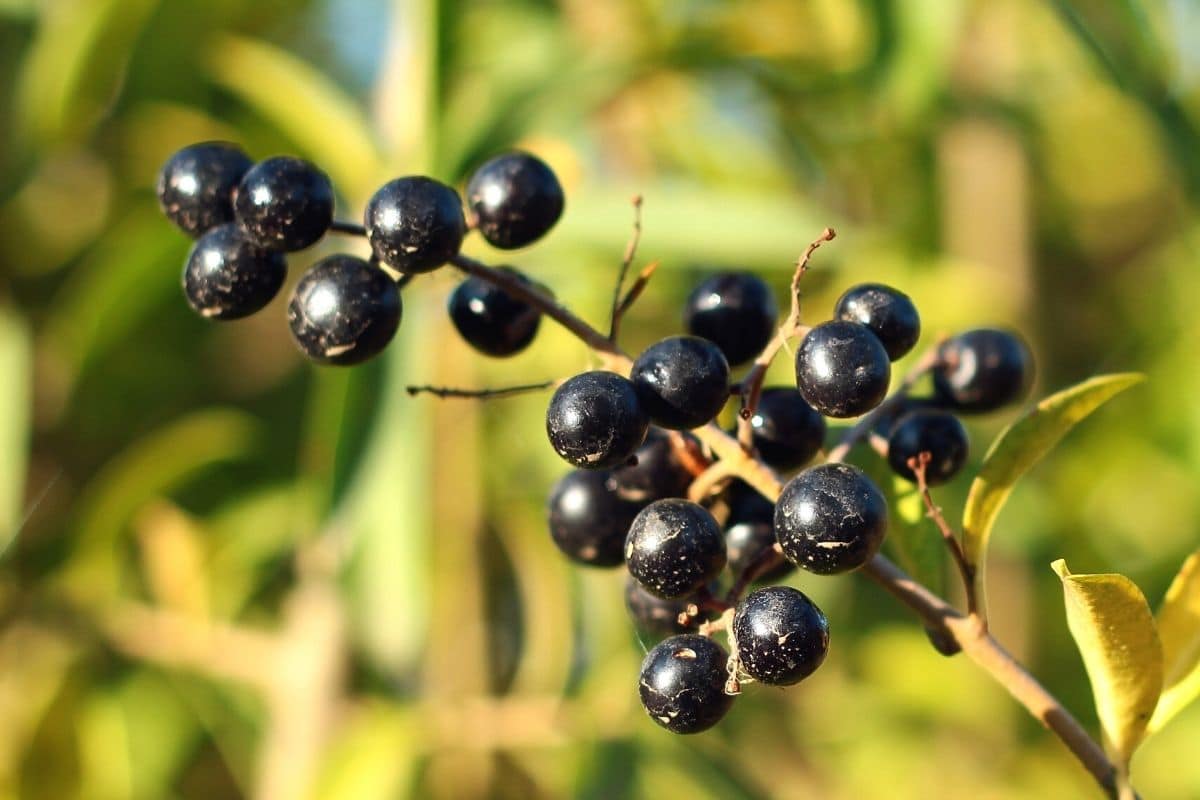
point(16, 375)
point(1179, 630)
point(1115, 633)
point(1018, 448)
point(305, 105)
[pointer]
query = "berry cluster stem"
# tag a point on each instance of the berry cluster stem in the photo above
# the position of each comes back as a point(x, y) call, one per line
point(966, 630)
point(918, 465)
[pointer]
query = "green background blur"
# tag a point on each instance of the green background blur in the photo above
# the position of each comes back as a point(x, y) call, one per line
point(230, 574)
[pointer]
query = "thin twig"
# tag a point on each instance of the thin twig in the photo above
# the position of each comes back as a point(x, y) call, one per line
point(919, 464)
point(753, 382)
point(687, 452)
point(639, 286)
point(348, 228)
point(479, 394)
point(709, 481)
point(766, 561)
point(626, 262)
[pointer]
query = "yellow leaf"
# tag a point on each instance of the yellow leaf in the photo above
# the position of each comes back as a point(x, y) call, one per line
point(1179, 630)
point(1018, 448)
point(1115, 633)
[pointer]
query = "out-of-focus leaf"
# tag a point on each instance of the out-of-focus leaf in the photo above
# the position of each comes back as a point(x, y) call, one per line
point(304, 104)
point(16, 376)
point(1018, 448)
point(375, 755)
point(1179, 630)
point(1115, 633)
point(74, 66)
point(152, 466)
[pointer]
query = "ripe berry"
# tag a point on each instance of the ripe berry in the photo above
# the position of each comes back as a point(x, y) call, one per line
point(658, 616)
point(490, 320)
point(782, 637)
point(934, 432)
point(588, 518)
point(682, 381)
point(415, 224)
point(344, 311)
point(842, 369)
point(682, 683)
point(284, 203)
point(750, 532)
point(983, 369)
point(830, 518)
point(515, 198)
point(195, 186)
point(595, 421)
point(674, 547)
point(788, 432)
point(734, 310)
point(658, 472)
point(890, 314)
point(228, 277)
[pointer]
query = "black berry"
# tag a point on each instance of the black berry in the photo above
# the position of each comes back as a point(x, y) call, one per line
point(674, 547)
point(890, 314)
point(842, 369)
point(682, 683)
point(782, 637)
point(935, 432)
point(515, 198)
point(228, 277)
point(415, 224)
point(344, 311)
point(588, 518)
point(595, 420)
point(983, 369)
point(658, 473)
point(788, 432)
point(750, 533)
point(490, 320)
point(284, 203)
point(195, 186)
point(682, 381)
point(658, 616)
point(734, 310)
point(830, 518)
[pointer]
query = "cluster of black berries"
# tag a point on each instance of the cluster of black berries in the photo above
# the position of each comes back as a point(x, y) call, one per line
point(634, 456)
point(344, 309)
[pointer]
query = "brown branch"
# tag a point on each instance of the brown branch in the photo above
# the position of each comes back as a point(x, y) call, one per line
point(479, 394)
point(639, 286)
point(710, 481)
point(626, 261)
point(919, 464)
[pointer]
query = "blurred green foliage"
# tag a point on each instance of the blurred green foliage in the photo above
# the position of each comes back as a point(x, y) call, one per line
point(230, 574)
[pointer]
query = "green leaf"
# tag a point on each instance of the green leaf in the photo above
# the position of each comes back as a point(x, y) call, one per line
point(1018, 448)
point(16, 373)
point(1115, 633)
point(305, 105)
point(1179, 630)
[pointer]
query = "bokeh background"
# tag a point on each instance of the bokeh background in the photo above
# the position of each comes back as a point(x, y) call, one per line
point(227, 573)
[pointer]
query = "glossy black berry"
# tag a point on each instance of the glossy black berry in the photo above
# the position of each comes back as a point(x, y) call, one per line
point(682, 381)
point(658, 473)
point(284, 204)
point(734, 310)
point(344, 311)
point(415, 224)
point(490, 320)
point(674, 547)
point(682, 683)
point(588, 519)
point(935, 432)
point(750, 533)
point(830, 518)
point(195, 186)
point(983, 369)
point(788, 432)
point(782, 637)
point(842, 369)
point(228, 277)
point(515, 199)
point(889, 313)
point(595, 420)
point(658, 616)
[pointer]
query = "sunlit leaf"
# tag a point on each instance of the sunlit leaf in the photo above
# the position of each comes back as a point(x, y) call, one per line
point(1179, 630)
point(306, 106)
point(16, 376)
point(1112, 626)
point(375, 754)
point(1018, 448)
